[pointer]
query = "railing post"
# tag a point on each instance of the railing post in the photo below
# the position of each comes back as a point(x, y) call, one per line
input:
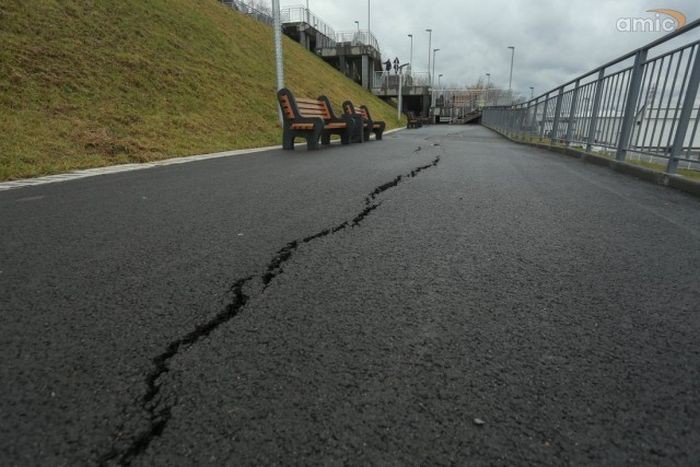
point(635, 88)
point(521, 120)
point(544, 115)
point(691, 93)
point(531, 118)
point(596, 109)
point(572, 113)
point(557, 115)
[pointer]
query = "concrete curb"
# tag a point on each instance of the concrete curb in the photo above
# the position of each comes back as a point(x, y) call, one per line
point(112, 169)
point(642, 173)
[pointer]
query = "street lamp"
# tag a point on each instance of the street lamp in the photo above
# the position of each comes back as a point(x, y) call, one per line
point(369, 15)
point(400, 107)
point(512, 57)
point(488, 86)
point(278, 49)
point(434, 52)
point(358, 25)
point(430, 45)
point(439, 78)
point(411, 56)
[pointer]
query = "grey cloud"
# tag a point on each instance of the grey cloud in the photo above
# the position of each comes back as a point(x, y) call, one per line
point(555, 40)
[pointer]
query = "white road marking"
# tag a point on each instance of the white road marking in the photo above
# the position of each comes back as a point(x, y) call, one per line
point(31, 198)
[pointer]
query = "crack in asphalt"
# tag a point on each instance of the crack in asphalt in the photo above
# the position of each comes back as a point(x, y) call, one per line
point(151, 401)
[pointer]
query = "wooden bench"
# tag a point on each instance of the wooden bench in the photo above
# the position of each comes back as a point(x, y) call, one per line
point(311, 119)
point(414, 121)
point(362, 114)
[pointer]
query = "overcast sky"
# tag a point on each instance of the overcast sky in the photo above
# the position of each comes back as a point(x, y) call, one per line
point(555, 40)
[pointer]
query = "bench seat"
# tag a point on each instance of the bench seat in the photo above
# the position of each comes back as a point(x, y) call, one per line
point(311, 119)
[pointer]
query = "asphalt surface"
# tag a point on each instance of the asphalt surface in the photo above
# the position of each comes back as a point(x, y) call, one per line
point(441, 297)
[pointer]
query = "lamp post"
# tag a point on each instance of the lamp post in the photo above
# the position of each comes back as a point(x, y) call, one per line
point(369, 17)
point(279, 67)
point(411, 56)
point(488, 85)
point(434, 52)
point(358, 25)
point(430, 45)
point(512, 58)
point(532, 92)
point(400, 107)
point(439, 79)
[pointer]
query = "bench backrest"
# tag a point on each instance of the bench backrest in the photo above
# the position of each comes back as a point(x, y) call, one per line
point(301, 107)
point(350, 109)
point(313, 108)
point(364, 111)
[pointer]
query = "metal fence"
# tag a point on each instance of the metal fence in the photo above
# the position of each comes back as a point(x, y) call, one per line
point(358, 38)
point(246, 8)
point(643, 105)
point(384, 79)
point(300, 14)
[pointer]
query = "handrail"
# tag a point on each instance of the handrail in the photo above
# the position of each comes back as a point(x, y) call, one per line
point(648, 110)
point(300, 14)
point(362, 37)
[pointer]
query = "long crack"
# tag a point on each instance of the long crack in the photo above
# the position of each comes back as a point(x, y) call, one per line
point(159, 414)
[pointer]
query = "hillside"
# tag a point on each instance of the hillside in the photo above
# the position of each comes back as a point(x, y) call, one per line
point(86, 83)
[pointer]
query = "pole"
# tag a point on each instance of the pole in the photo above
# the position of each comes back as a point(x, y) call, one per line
point(512, 57)
point(411, 56)
point(400, 108)
point(369, 17)
point(430, 47)
point(434, 51)
point(278, 49)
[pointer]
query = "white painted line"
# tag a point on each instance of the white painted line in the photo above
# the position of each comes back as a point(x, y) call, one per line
point(113, 169)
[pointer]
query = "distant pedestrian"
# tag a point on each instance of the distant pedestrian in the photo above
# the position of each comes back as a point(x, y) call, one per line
point(386, 72)
point(396, 65)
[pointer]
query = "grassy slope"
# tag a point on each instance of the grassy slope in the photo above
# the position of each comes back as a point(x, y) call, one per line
point(85, 83)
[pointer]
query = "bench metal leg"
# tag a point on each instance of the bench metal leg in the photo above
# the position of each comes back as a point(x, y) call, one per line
point(313, 137)
point(288, 140)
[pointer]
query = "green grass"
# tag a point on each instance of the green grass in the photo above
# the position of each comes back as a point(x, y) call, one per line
point(662, 168)
point(86, 83)
point(693, 174)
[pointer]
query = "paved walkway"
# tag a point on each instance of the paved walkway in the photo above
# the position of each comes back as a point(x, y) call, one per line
point(365, 304)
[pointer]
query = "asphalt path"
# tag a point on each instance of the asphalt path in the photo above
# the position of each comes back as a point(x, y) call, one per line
point(440, 297)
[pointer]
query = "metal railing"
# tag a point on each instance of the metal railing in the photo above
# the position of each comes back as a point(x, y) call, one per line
point(358, 38)
point(300, 14)
point(247, 8)
point(637, 106)
point(385, 79)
